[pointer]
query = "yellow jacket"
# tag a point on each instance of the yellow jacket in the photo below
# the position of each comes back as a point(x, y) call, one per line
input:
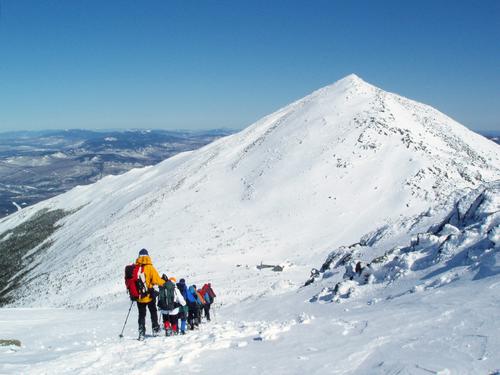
point(151, 274)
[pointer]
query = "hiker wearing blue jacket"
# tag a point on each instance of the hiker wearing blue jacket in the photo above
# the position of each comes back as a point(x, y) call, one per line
point(184, 310)
point(193, 308)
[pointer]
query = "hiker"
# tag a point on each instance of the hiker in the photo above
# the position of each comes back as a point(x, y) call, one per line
point(209, 295)
point(183, 310)
point(201, 302)
point(169, 301)
point(148, 301)
point(193, 307)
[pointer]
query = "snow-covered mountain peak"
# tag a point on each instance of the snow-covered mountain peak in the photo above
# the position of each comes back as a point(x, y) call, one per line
point(351, 80)
point(315, 175)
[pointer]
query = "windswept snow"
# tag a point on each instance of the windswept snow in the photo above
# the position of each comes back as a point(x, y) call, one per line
point(348, 174)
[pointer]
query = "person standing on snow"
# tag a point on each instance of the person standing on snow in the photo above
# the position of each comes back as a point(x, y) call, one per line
point(208, 295)
point(148, 302)
point(193, 307)
point(170, 301)
point(183, 310)
point(201, 302)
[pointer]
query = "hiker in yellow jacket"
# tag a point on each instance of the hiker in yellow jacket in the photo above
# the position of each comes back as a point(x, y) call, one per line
point(149, 301)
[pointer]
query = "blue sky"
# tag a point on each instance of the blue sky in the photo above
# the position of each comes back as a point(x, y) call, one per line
point(209, 64)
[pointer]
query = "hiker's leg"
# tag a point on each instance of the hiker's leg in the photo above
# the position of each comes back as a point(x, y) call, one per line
point(191, 316)
point(166, 322)
point(199, 313)
point(142, 317)
point(174, 319)
point(183, 317)
point(183, 326)
point(207, 311)
point(154, 316)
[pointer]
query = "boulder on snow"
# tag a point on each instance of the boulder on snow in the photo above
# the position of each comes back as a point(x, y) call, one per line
point(10, 342)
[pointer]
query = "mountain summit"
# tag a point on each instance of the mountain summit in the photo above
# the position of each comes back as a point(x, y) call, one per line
point(316, 174)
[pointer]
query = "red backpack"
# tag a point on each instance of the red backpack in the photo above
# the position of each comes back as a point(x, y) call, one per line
point(210, 291)
point(135, 281)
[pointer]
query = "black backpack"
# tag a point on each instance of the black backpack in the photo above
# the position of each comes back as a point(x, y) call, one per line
point(166, 299)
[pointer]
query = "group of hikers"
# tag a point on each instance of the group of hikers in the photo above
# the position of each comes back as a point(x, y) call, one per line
point(176, 300)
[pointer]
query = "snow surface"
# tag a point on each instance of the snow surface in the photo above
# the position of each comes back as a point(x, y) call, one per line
point(349, 173)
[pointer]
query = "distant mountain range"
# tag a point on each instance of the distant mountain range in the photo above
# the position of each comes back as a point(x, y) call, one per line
point(36, 165)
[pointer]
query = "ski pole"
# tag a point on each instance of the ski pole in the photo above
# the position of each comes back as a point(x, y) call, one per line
point(130, 308)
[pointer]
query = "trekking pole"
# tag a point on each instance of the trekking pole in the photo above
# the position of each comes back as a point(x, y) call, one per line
point(130, 308)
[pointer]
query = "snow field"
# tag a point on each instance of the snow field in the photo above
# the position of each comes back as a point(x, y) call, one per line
point(447, 330)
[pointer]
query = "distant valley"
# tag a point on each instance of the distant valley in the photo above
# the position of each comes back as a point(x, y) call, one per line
point(35, 166)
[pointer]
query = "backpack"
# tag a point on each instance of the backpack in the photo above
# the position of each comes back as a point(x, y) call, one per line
point(166, 299)
point(135, 281)
point(190, 296)
point(200, 297)
point(207, 298)
point(211, 292)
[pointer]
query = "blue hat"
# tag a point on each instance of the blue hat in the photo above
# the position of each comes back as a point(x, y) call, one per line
point(143, 252)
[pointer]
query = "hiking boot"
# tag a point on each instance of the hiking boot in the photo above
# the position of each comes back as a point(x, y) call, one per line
point(156, 331)
point(142, 333)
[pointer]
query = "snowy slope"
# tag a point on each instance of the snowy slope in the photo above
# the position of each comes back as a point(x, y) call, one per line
point(349, 170)
point(429, 307)
point(312, 176)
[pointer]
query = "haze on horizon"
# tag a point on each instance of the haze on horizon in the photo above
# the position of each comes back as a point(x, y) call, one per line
point(194, 65)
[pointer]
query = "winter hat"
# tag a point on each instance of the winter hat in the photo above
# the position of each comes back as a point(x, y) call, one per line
point(143, 252)
point(182, 281)
point(173, 279)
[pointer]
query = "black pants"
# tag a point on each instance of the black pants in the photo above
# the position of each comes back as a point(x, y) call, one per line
point(193, 314)
point(206, 309)
point(142, 316)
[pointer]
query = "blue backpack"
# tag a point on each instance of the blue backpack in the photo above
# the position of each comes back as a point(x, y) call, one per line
point(190, 294)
